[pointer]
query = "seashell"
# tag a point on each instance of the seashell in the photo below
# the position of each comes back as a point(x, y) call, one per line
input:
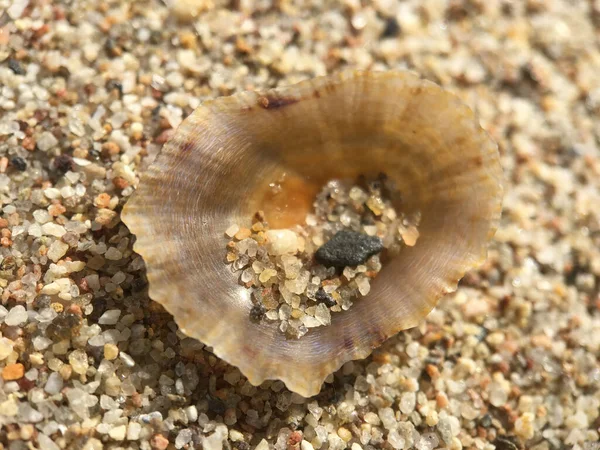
point(216, 172)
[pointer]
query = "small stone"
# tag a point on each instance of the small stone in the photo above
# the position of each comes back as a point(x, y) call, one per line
point(506, 443)
point(9, 408)
point(335, 442)
point(372, 418)
point(344, 433)
point(407, 402)
point(16, 316)
point(247, 276)
point(46, 141)
point(215, 440)
point(110, 317)
point(102, 200)
point(262, 445)
point(52, 229)
point(427, 441)
point(46, 443)
point(298, 285)
point(118, 432)
point(524, 426)
point(266, 275)
point(192, 413)
point(51, 289)
point(29, 414)
point(62, 163)
point(395, 440)
point(243, 233)
point(19, 163)
point(188, 10)
point(498, 395)
point(388, 418)
point(376, 205)
point(159, 442)
point(107, 217)
point(282, 242)
point(42, 216)
point(13, 372)
point(6, 347)
point(291, 266)
point(305, 445)
point(325, 298)
point(79, 361)
point(134, 429)
point(57, 250)
point(322, 314)
point(257, 312)
point(410, 235)
point(93, 444)
point(112, 254)
point(578, 420)
point(111, 351)
point(232, 377)
point(128, 360)
point(391, 29)
point(348, 248)
point(364, 287)
point(183, 437)
point(232, 230)
point(310, 322)
point(15, 66)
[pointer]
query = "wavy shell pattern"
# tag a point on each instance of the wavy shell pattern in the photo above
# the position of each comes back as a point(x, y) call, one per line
point(216, 172)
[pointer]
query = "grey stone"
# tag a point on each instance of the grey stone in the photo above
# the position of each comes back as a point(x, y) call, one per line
point(348, 248)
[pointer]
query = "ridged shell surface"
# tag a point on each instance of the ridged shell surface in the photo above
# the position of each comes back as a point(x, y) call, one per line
point(216, 172)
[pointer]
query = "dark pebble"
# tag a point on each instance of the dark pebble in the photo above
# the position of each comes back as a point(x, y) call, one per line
point(43, 301)
point(257, 312)
point(486, 421)
point(112, 85)
point(63, 72)
point(392, 28)
point(94, 154)
point(156, 37)
point(507, 443)
point(64, 326)
point(156, 112)
point(99, 305)
point(19, 163)
point(16, 67)
point(139, 284)
point(63, 163)
point(325, 298)
point(348, 248)
point(216, 405)
point(111, 47)
point(25, 385)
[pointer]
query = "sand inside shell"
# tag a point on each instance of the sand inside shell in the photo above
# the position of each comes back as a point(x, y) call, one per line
point(291, 283)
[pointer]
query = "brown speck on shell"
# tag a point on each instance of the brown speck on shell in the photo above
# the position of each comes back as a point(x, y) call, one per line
point(271, 102)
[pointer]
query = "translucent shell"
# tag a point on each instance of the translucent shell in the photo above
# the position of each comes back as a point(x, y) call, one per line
point(216, 172)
